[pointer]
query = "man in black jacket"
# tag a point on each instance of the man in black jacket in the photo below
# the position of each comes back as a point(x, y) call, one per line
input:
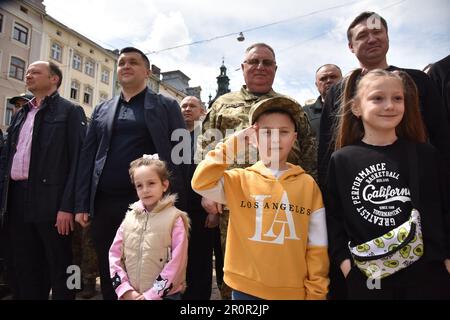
point(201, 240)
point(368, 40)
point(440, 74)
point(38, 171)
point(326, 75)
point(122, 129)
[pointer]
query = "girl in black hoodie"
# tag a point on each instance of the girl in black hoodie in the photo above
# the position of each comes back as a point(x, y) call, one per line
point(382, 169)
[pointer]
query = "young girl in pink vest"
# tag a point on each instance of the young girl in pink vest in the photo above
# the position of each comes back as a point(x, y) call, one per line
point(148, 256)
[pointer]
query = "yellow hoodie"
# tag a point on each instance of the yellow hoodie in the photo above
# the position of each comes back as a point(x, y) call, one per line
point(277, 238)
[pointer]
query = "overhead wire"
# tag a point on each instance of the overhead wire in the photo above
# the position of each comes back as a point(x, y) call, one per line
point(253, 28)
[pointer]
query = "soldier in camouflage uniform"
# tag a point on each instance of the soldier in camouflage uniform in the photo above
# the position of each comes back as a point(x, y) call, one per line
point(231, 111)
point(85, 257)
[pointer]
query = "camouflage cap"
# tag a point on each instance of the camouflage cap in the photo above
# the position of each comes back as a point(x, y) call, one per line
point(24, 96)
point(285, 104)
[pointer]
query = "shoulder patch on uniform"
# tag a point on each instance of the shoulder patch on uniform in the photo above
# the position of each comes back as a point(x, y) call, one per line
point(234, 105)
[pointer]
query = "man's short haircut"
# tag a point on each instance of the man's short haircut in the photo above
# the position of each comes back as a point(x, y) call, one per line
point(364, 16)
point(55, 71)
point(260, 44)
point(329, 65)
point(133, 49)
point(202, 106)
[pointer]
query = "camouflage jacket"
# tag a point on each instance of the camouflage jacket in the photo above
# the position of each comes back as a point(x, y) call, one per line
point(230, 112)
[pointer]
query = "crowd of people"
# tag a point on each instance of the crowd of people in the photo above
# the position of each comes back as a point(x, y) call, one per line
point(343, 198)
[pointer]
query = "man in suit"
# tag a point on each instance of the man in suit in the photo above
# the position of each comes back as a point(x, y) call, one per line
point(38, 168)
point(122, 129)
point(201, 240)
point(326, 76)
point(439, 73)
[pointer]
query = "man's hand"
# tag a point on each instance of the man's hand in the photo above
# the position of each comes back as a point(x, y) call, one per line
point(82, 218)
point(212, 220)
point(211, 206)
point(132, 295)
point(346, 266)
point(447, 264)
point(64, 223)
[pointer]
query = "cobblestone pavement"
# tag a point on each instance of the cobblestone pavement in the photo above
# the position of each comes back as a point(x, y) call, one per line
point(215, 293)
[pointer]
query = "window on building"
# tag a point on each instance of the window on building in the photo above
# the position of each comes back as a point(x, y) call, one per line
point(1, 22)
point(87, 98)
point(9, 113)
point(17, 68)
point(89, 67)
point(103, 97)
point(23, 9)
point(74, 90)
point(76, 62)
point(105, 76)
point(20, 33)
point(56, 52)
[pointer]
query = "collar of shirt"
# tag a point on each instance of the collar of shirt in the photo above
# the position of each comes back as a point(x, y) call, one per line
point(33, 103)
point(249, 96)
point(318, 105)
point(139, 97)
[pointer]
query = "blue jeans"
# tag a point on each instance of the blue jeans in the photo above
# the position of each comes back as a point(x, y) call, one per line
point(239, 295)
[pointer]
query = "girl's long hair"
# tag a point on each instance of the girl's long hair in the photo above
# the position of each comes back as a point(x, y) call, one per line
point(350, 128)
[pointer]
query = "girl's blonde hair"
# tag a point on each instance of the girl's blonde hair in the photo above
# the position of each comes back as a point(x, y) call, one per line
point(350, 128)
point(159, 166)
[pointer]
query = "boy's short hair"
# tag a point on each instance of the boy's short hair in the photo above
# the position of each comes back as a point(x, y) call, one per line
point(276, 104)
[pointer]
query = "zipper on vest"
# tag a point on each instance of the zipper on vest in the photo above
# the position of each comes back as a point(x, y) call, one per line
point(140, 249)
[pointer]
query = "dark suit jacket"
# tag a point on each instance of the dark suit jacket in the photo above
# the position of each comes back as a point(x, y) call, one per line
point(440, 74)
point(58, 133)
point(162, 117)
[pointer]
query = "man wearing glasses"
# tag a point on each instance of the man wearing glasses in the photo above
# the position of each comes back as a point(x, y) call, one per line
point(231, 111)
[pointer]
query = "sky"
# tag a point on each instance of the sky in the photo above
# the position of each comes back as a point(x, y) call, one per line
point(304, 35)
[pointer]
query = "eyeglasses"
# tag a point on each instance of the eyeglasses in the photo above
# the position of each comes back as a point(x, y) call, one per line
point(255, 62)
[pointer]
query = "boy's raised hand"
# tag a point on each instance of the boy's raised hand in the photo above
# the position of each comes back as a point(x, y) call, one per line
point(247, 135)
